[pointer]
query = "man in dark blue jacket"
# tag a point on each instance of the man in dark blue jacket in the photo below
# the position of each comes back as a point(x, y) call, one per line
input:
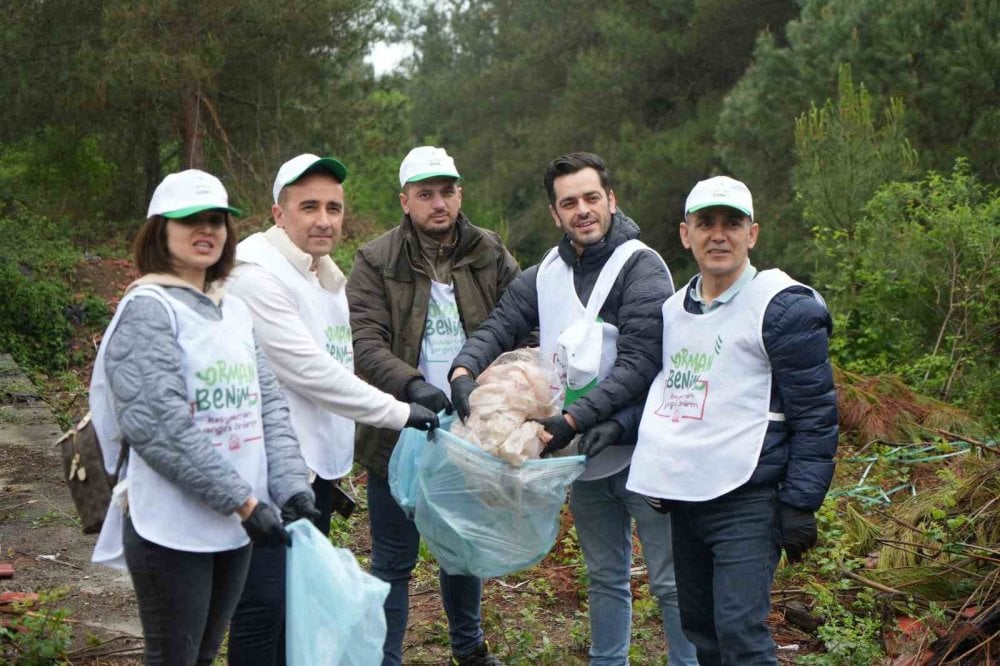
point(739, 429)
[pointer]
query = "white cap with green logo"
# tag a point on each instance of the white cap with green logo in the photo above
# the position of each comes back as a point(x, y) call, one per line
point(293, 169)
point(426, 162)
point(189, 192)
point(720, 191)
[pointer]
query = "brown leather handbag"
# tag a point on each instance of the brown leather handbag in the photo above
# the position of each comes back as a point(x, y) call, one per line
point(83, 468)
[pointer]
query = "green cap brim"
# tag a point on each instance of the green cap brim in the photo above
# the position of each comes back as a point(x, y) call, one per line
point(726, 204)
point(333, 166)
point(192, 210)
point(433, 174)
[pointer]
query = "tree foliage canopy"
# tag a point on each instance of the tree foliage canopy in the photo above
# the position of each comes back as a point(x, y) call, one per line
point(234, 87)
point(827, 109)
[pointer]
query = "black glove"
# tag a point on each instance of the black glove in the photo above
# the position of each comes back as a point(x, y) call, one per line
point(299, 505)
point(600, 437)
point(421, 418)
point(427, 395)
point(461, 388)
point(560, 429)
point(798, 531)
point(265, 528)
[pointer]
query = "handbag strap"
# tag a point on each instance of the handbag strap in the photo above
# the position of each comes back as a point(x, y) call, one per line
point(122, 456)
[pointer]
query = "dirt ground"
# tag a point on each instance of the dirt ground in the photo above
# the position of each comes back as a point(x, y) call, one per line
point(538, 616)
point(532, 617)
point(39, 532)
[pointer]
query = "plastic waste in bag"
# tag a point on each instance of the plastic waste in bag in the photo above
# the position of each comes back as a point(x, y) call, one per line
point(334, 610)
point(516, 388)
point(481, 516)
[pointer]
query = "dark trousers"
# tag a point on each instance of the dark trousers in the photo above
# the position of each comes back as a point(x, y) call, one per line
point(257, 632)
point(725, 554)
point(185, 599)
point(323, 488)
point(395, 544)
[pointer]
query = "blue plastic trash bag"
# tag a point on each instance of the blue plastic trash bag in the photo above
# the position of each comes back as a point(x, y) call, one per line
point(334, 610)
point(403, 467)
point(480, 515)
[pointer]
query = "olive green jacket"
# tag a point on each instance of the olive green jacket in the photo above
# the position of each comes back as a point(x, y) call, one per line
point(389, 292)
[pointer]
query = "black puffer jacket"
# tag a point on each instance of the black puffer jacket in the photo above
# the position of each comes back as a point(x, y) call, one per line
point(633, 306)
point(798, 452)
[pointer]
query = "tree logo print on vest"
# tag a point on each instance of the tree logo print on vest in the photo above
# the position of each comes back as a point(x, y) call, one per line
point(224, 402)
point(338, 344)
point(685, 389)
point(443, 332)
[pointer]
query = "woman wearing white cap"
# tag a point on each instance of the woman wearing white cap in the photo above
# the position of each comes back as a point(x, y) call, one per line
point(180, 379)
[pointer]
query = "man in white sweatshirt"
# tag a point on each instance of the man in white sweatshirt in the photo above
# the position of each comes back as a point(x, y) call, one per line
point(296, 296)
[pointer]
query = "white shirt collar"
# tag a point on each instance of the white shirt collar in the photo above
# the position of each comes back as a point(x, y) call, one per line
point(329, 274)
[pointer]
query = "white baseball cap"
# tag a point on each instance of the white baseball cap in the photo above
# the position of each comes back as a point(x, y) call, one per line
point(720, 191)
point(426, 162)
point(188, 192)
point(293, 169)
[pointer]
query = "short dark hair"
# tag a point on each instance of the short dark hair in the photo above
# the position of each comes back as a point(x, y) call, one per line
point(571, 163)
point(152, 256)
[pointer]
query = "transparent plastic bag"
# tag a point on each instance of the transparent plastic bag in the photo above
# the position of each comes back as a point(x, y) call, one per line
point(481, 516)
point(403, 469)
point(515, 389)
point(334, 610)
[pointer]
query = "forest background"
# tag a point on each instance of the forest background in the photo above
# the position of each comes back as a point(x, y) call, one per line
point(867, 130)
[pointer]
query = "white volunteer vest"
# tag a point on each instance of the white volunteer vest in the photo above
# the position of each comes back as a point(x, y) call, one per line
point(706, 414)
point(102, 411)
point(559, 308)
point(326, 439)
point(443, 336)
point(220, 372)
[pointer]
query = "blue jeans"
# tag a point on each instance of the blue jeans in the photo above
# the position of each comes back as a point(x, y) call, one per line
point(185, 599)
point(603, 511)
point(726, 551)
point(395, 544)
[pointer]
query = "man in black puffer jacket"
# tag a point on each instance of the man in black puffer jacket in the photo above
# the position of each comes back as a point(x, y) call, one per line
point(599, 279)
point(739, 430)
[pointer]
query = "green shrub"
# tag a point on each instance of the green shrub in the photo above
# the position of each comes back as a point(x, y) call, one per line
point(36, 265)
point(928, 302)
point(851, 632)
point(40, 638)
point(33, 324)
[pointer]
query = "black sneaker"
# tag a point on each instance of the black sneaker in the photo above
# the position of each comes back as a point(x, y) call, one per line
point(481, 656)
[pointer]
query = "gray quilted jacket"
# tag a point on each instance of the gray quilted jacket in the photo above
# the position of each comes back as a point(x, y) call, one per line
point(143, 365)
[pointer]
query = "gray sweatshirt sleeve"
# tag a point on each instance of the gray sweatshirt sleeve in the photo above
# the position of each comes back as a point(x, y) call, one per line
point(143, 366)
point(287, 473)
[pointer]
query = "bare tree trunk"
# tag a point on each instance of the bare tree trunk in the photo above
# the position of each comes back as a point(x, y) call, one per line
point(151, 166)
point(192, 132)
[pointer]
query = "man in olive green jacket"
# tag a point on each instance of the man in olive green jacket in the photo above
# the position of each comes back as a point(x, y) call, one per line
point(415, 293)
